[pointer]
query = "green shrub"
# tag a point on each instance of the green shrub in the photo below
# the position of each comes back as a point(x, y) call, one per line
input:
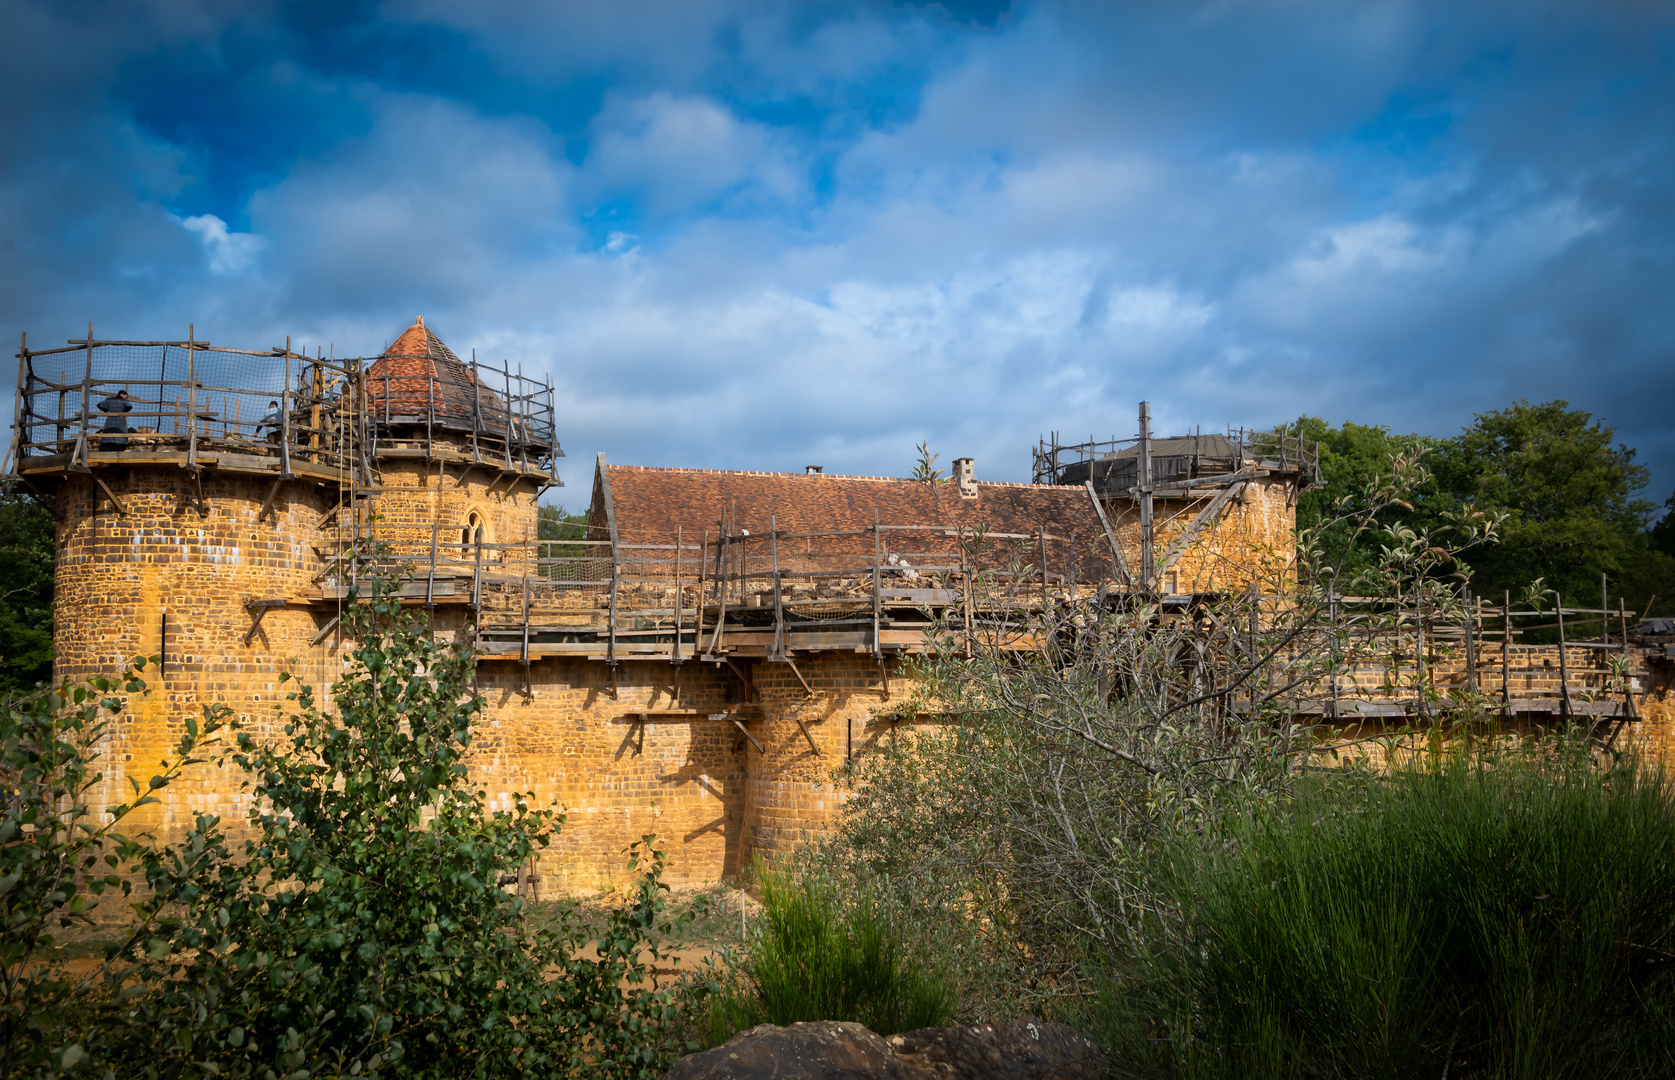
point(361, 930)
point(58, 857)
point(819, 955)
point(1506, 916)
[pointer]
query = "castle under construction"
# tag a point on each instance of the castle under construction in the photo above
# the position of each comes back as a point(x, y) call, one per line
point(699, 663)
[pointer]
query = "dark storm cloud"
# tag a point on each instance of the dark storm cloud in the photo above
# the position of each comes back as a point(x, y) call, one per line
point(758, 234)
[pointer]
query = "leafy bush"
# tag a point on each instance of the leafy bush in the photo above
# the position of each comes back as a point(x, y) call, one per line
point(1505, 916)
point(819, 955)
point(1039, 808)
point(28, 555)
point(58, 857)
point(359, 930)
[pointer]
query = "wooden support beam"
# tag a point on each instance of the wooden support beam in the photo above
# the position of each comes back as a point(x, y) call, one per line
point(1506, 666)
point(749, 688)
point(675, 656)
point(1110, 537)
point(1148, 568)
point(723, 551)
point(78, 455)
point(811, 743)
point(792, 664)
point(1235, 484)
point(111, 495)
point(324, 630)
point(698, 630)
point(524, 650)
point(198, 491)
point(779, 605)
point(1564, 668)
point(877, 557)
point(1630, 710)
point(740, 725)
point(267, 503)
point(261, 608)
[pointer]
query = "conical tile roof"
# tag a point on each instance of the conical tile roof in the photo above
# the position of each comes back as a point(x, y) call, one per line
point(419, 379)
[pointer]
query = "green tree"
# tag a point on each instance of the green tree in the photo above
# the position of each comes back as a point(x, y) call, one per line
point(1569, 491)
point(27, 556)
point(560, 533)
point(554, 522)
point(360, 929)
point(1663, 533)
point(58, 857)
point(1356, 460)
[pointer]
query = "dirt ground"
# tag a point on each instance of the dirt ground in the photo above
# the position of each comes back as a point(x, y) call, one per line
point(704, 920)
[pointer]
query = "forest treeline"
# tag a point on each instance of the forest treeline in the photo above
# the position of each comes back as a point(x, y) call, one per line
point(1573, 497)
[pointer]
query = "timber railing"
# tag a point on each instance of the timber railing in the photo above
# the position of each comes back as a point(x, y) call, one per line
point(192, 401)
point(1396, 659)
point(186, 400)
point(496, 415)
point(1112, 463)
point(771, 592)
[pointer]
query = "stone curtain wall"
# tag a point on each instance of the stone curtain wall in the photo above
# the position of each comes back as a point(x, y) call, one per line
point(570, 732)
point(574, 741)
point(793, 795)
point(700, 784)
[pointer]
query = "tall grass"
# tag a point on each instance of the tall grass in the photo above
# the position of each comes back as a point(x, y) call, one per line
point(1497, 917)
point(820, 954)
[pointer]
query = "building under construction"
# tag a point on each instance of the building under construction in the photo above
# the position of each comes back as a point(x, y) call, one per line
point(698, 663)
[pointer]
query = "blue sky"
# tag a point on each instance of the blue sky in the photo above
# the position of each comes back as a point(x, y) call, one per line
point(770, 234)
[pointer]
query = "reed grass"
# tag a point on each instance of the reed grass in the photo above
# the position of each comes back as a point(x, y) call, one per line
point(819, 953)
point(1479, 916)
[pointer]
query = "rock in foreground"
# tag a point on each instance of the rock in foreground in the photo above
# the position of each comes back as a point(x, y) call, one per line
point(1023, 1050)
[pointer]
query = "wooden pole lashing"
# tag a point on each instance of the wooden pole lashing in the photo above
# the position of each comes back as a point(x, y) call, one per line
point(674, 657)
point(1506, 659)
point(877, 555)
point(779, 605)
point(1564, 667)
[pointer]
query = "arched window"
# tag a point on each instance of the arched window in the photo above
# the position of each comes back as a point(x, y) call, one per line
point(468, 533)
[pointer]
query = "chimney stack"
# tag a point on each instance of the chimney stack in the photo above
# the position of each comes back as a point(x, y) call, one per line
point(965, 474)
point(813, 470)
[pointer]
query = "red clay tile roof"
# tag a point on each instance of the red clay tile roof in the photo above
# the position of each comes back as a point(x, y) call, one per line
point(419, 376)
point(648, 503)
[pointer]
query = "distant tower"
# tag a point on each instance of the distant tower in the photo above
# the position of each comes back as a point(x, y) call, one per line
point(457, 450)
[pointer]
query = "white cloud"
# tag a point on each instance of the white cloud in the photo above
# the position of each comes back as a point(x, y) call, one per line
point(229, 252)
point(752, 234)
point(681, 152)
point(435, 204)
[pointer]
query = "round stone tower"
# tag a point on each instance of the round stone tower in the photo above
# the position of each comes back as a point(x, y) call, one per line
point(451, 453)
point(190, 485)
point(202, 497)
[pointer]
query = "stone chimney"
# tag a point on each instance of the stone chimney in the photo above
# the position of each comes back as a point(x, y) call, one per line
point(965, 475)
point(813, 470)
